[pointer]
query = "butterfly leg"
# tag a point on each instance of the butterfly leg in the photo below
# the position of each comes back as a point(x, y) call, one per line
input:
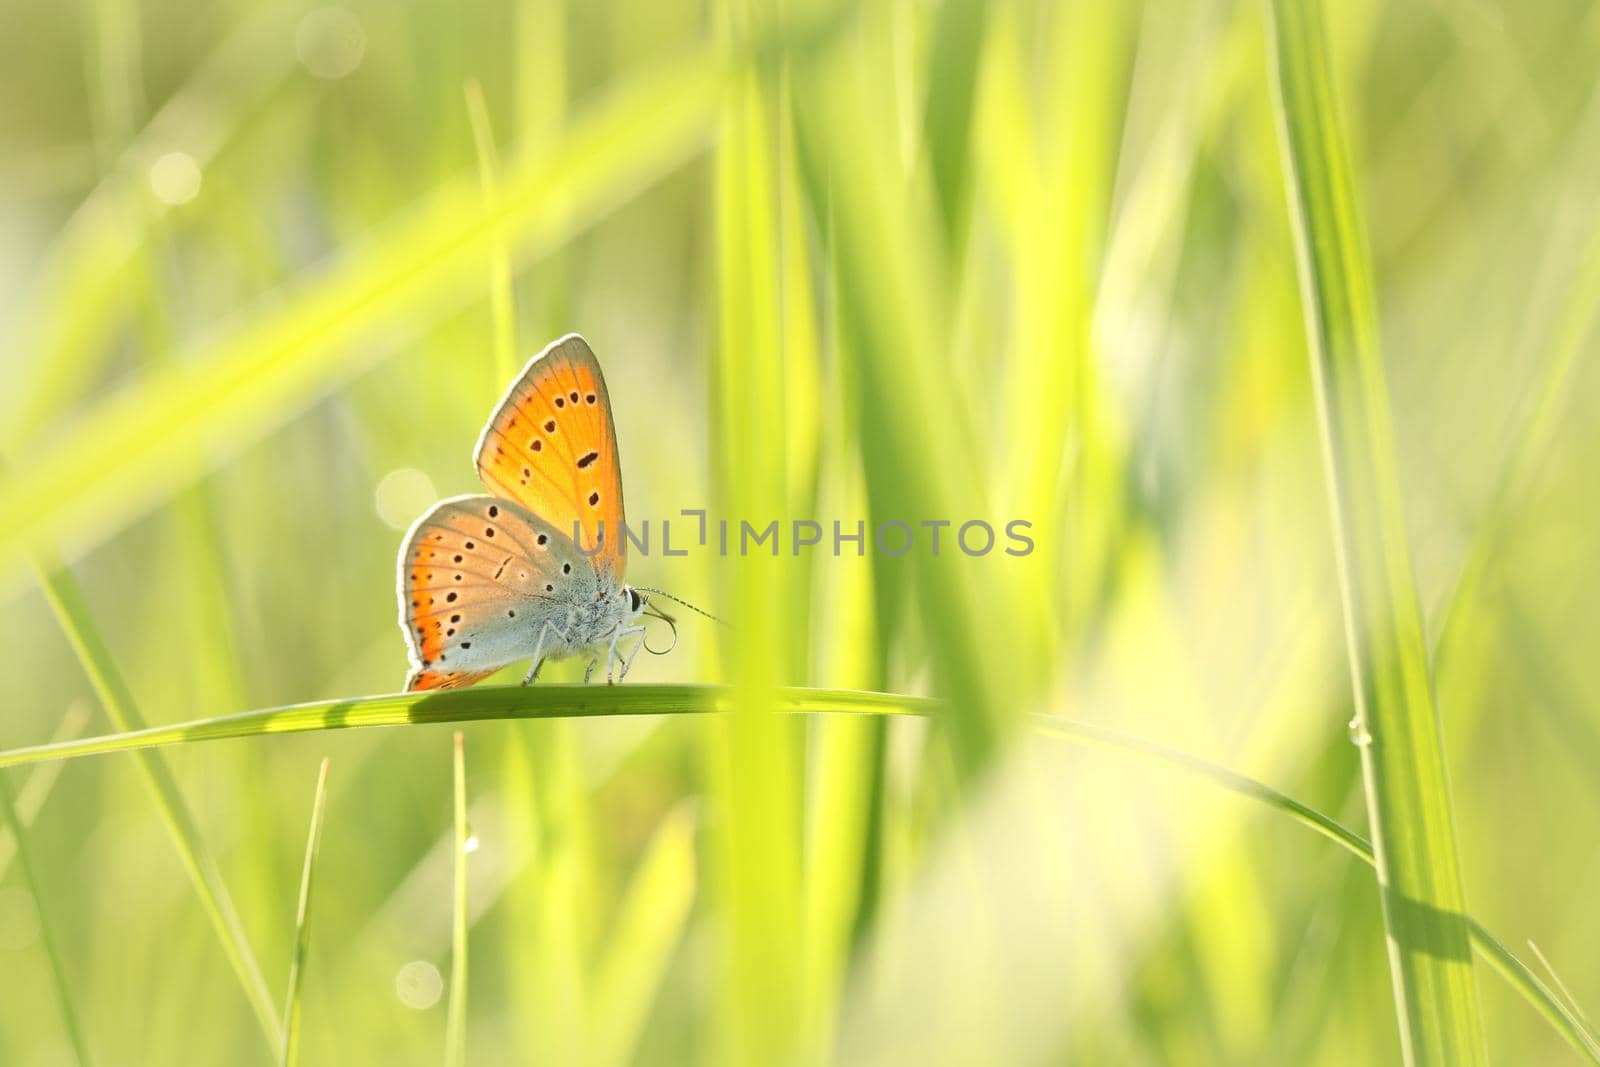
point(627, 664)
point(620, 660)
point(547, 630)
point(588, 671)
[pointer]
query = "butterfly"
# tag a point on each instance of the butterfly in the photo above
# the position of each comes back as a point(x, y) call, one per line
point(488, 580)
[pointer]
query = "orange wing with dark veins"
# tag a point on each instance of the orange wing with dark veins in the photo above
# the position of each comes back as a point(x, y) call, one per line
point(422, 679)
point(551, 447)
point(477, 577)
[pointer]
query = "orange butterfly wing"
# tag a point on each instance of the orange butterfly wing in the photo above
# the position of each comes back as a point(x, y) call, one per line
point(551, 447)
point(420, 679)
point(477, 574)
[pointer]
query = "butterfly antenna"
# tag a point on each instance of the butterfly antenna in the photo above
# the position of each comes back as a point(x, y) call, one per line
point(685, 603)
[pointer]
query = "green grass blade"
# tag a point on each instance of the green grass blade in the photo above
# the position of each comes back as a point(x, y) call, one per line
point(173, 424)
point(648, 925)
point(547, 701)
point(117, 699)
point(958, 35)
point(1561, 990)
point(1530, 448)
point(1402, 754)
point(1068, 469)
point(36, 789)
point(887, 244)
point(69, 1014)
point(1572, 1028)
point(82, 294)
point(554, 902)
point(1563, 706)
point(755, 755)
point(552, 905)
point(509, 703)
point(502, 311)
point(302, 924)
point(455, 1031)
point(479, 704)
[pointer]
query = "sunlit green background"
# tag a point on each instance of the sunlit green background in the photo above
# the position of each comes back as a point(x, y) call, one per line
point(888, 260)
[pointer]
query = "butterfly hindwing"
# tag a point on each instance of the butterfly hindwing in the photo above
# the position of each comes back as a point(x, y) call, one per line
point(420, 679)
point(478, 577)
point(551, 447)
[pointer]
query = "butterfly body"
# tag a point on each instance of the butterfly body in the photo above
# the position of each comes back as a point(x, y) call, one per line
point(485, 581)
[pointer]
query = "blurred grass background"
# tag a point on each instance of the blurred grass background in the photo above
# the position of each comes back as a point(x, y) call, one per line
point(265, 272)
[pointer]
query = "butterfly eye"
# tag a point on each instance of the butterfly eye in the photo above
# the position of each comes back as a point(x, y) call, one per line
point(634, 600)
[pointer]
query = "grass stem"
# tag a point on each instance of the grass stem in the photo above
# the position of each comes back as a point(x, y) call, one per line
point(302, 924)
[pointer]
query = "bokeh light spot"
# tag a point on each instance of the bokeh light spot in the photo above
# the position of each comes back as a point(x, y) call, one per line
point(403, 495)
point(175, 178)
point(418, 984)
point(330, 42)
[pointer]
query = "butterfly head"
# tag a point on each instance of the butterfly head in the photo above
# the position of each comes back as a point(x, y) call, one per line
point(636, 603)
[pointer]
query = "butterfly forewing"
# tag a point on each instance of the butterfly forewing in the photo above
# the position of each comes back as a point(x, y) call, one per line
point(552, 448)
point(478, 576)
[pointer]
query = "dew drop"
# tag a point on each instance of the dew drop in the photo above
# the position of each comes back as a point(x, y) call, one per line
point(1358, 733)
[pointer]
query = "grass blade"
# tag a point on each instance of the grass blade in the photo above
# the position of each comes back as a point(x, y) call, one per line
point(1529, 449)
point(544, 701)
point(502, 310)
point(648, 925)
point(302, 925)
point(958, 36)
point(755, 755)
point(455, 1031)
point(36, 790)
point(1070, 465)
point(117, 699)
point(551, 907)
point(173, 424)
point(479, 704)
point(886, 241)
point(1402, 752)
point(69, 1015)
point(1567, 999)
point(1573, 1029)
point(82, 294)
